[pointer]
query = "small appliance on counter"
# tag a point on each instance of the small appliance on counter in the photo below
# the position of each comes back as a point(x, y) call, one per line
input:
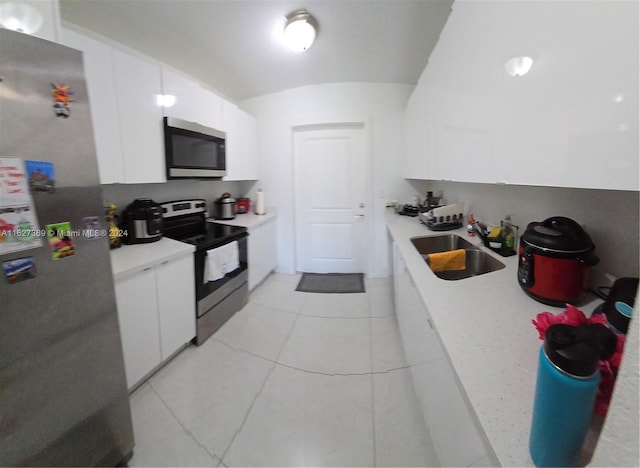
point(556, 256)
point(243, 205)
point(444, 218)
point(408, 210)
point(224, 207)
point(417, 206)
point(141, 220)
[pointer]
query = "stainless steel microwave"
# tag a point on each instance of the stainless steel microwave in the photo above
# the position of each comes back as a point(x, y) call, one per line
point(193, 150)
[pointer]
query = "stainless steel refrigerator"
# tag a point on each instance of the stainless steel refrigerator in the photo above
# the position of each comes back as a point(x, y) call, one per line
point(63, 396)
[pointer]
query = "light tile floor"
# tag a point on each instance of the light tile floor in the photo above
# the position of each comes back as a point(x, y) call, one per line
point(293, 379)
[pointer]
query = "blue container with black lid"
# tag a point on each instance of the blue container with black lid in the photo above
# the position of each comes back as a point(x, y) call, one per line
point(566, 389)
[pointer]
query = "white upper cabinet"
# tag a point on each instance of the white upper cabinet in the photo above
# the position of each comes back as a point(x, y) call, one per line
point(127, 121)
point(572, 121)
point(242, 156)
point(98, 69)
point(418, 136)
point(192, 102)
point(210, 109)
point(248, 145)
point(138, 85)
point(127, 117)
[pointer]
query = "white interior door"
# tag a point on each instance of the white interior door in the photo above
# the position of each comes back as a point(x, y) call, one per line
point(331, 174)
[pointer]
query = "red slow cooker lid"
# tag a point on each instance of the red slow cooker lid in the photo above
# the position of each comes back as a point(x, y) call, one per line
point(558, 234)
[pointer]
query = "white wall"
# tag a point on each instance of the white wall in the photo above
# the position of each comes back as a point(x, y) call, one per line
point(379, 106)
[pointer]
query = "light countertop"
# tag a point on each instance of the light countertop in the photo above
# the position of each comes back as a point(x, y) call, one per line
point(130, 259)
point(248, 220)
point(484, 324)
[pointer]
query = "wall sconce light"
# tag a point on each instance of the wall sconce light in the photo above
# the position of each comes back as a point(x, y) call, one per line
point(20, 17)
point(518, 66)
point(300, 30)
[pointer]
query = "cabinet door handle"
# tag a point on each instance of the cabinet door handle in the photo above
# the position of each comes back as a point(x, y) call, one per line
point(165, 262)
point(430, 324)
point(147, 269)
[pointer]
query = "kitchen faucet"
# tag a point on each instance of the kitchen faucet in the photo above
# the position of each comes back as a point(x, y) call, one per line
point(481, 230)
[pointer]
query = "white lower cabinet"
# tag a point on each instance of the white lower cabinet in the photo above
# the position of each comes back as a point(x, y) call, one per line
point(262, 251)
point(138, 318)
point(156, 311)
point(175, 282)
point(456, 438)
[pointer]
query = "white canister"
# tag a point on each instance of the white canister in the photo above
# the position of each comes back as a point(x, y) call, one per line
point(259, 206)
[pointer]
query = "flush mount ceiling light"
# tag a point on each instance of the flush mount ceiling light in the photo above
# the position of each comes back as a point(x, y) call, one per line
point(300, 30)
point(20, 17)
point(518, 66)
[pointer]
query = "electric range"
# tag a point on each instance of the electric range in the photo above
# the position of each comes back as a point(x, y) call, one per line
point(216, 301)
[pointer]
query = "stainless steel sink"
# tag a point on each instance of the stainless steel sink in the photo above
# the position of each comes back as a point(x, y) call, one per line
point(442, 243)
point(477, 261)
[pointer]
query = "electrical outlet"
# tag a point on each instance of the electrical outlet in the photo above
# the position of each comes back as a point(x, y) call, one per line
point(610, 279)
point(601, 279)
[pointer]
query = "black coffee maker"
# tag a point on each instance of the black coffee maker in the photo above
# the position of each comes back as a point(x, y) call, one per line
point(141, 222)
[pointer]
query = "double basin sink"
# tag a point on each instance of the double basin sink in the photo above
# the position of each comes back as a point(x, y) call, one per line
point(477, 261)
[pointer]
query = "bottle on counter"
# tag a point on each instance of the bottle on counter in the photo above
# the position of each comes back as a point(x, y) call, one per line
point(508, 238)
point(566, 388)
point(470, 222)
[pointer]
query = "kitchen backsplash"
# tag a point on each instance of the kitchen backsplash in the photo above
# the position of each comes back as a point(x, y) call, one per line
point(610, 217)
point(123, 194)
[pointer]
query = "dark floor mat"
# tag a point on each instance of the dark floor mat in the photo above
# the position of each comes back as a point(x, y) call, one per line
point(331, 283)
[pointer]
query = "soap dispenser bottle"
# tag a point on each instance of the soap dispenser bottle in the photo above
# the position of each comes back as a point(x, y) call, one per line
point(566, 388)
point(470, 222)
point(508, 236)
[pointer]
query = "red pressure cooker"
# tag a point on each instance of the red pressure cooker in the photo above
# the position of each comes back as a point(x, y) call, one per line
point(556, 256)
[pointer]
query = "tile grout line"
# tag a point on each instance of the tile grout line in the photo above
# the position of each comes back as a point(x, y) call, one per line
point(264, 383)
point(320, 316)
point(372, 372)
point(338, 374)
point(187, 431)
point(373, 393)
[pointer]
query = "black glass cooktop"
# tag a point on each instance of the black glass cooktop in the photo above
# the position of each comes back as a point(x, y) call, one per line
point(214, 234)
